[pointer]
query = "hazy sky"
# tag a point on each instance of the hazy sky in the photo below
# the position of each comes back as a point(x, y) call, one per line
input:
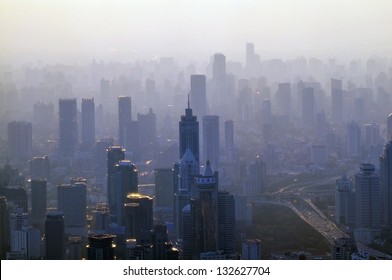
point(128, 29)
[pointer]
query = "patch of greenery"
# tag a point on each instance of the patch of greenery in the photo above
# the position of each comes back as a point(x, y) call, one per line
point(281, 230)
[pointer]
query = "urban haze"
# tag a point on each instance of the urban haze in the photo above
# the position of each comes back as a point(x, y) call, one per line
point(205, 130)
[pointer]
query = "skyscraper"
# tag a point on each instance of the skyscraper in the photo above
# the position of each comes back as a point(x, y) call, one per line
point(54, 236)
point(138, 214)
point(72, 202)
point(38, 201)
point(124, 117)
point(367, 198)
point(389, 128)
point(344, 202)
point(114, 155)
point(163, 187)
point(218, 81)
point(226, 222)
point(211, 140)
point(386, 184)
point(126, 181)
point(337, 100)
point(16, 196)
point(4, 227)
point(40, 168)
point(68, 127)
point(189, 134)
point(251, 249)
point(257, 177)
point(283, 99)
point(198, 95)
point(353, 139)
point(88, 123)
point(20, 141)
point(308, 106)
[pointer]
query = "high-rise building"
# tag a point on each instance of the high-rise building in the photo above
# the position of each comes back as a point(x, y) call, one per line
point(367, 198)
point(386, 184)
point(20, 141)
point(16, 197)
point(40, 168)
point(101, 247)
point(308, 106)
point(27, 241)
point(389, 128)
point(38, 201)
point(198, 95)
point(372, 134)
point(204, 211)
point(251, 249)
point(138, 214)
point(126, 181)
point(88, 123)
point(344, 202)
point(189, 134)
point(257, 177)
point(54, 236)
point(124, 117)
point(229, 136)
point(337, 100)
point(163, 187)
point(4, 227)
point(211, 140)
point(219, 69)
point(68, 127)
point(101, 219)
point(132, 140)
point(114, 155)
point(283, 99)
point(353, 139)
point(72, 202)
point(250, 59)
point(226, 222)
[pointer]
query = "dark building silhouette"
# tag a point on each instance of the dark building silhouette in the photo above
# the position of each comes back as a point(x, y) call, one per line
point(88, 123)
point(138, 215)
point(226, 222)
point(124, 117)
point(337, 100)
point(163, 187)
point(211, 140)
point(20, 141)
point(40, 168)
point(4, 228)
point(101, 247)
point(72, 202)
point(386, 184)
point(54, 236)
point(189, 134)
point(198, 95)
point(38, 201)
point(16, 196)
point(114, 155)
point(68, 127)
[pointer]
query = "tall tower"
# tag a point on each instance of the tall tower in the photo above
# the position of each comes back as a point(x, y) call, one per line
point(345, 202)
point(353, 139)
point(218, 81)
point(38, 201)
point(337, 100)
point(283, 99)
point(54, 236)
point(114, 155)
point(308, 106)
point(124, 117)
point(367, 198)
point(138, 214)
point(389, 128)
point(386, 184)
point(20, 141)
point(226, 222)
point(204, 204)
point(211, 140)
point(164, 187)
point(198, 95)
point(257, 177)
point(72, 201)
point(88, 123)
point(189, 134)
point(68, 127)
point(4, 228)
point(40, 168)
point(126, 181)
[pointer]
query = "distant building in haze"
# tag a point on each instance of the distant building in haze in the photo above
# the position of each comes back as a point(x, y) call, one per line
point(124, 117)
point(211, 140)
point(198, 95)
point(20, 141)
point(68, 132)
point(88, 123)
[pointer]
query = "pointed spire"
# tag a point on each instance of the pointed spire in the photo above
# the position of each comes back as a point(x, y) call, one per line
point(208, 171)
